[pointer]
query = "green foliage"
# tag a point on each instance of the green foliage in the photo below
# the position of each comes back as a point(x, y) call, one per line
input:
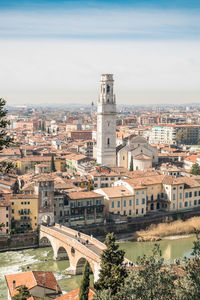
point(52, 167)
point(189, 285)
point(23, 293)
point(112, 274)
point(152, 281)
point(195, 169)
point(5, 140)
point(85, 283)
point(131, 164)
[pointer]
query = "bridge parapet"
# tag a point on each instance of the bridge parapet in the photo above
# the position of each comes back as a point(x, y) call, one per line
point(91, 239)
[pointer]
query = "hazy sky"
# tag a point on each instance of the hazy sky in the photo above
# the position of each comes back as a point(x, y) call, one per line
point(54, 51)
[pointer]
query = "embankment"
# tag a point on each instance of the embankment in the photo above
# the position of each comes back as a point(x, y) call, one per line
point(176, 228)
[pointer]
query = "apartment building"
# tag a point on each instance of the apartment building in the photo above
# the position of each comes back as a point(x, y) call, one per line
point(24, 212)
point(5, 214)
point(86, 208)
point(173, 134)
point(183, 193)
point(103, 179)
point(118, 201)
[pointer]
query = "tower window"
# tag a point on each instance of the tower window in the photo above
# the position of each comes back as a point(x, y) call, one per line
point(108, 89)
point(108, 141)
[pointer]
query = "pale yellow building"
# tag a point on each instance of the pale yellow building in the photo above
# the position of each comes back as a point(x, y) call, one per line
point(118, 200)
point(24, 211)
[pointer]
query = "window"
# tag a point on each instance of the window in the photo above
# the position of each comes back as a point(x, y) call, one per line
point(118, 203)
point(136, 211)
point(143, 192)
point(195, 193)
point(190, 194)
point(190, 203)
point(143, 200)
point(112, 204)
point(180, 205)
point(124, 203)
point(6, 207)
point(195, 202)
point(6, 224)
point(108, 141)
point(60, 213)
point(180, 195)
point(137, 202)
point(186, 195)
point(13, 211)
point(124, 212)
point(142, 211)
point(12, 203)
point(129, 212)
point(7, 216)
point(173, 205)
point(186, 204)
point(174, 188)
point(130, 202)
point(174, 197)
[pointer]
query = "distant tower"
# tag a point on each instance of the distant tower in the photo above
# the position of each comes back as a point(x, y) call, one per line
point(92, 110)
point(106, 123)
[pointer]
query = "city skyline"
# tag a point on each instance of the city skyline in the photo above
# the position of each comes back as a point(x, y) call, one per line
point(55, 51)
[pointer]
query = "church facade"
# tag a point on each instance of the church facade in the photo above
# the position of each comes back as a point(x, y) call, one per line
point(139, 151)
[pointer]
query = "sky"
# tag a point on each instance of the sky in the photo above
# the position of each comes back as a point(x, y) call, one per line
point(55, 51)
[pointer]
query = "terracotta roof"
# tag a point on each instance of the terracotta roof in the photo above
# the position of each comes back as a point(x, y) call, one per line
point(83, 195)
point(31, 279)
point(142, 157)
point(190, 182)
point(116, 191)
point(74, 295)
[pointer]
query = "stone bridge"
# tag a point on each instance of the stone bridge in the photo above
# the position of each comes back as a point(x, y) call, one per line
point(74, 246)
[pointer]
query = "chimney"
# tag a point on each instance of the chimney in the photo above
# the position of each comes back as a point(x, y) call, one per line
point(13, 284)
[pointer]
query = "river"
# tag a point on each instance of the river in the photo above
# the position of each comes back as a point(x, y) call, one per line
point(12, 262)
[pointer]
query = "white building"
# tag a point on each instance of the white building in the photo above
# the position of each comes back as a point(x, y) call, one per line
point(105, 151)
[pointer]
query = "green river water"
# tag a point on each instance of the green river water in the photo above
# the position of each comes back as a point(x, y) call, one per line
point(12, 262)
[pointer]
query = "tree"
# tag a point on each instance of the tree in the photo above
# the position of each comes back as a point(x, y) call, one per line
point(189, 284)
point(5, 140)
point(112, 273)
point(195, 170)
point(52, 167)
point(23, 294)
point(131, 164)
point(85, 283)
point(151, 280)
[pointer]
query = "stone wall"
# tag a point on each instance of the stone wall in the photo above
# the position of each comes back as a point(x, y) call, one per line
point(18, 241)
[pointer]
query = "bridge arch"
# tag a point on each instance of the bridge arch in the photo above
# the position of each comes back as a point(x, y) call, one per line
point(62, 254)
point(80, 266)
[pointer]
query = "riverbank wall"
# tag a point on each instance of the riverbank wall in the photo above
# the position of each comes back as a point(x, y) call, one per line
point(123, 230)
point(19, 241)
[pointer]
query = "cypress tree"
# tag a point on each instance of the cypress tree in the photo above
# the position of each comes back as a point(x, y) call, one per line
point(85, 283)
point(112, 274)
point(131, 164)
point(52, 167)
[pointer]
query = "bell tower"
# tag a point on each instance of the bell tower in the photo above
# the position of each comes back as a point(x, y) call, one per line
point(106, 123)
